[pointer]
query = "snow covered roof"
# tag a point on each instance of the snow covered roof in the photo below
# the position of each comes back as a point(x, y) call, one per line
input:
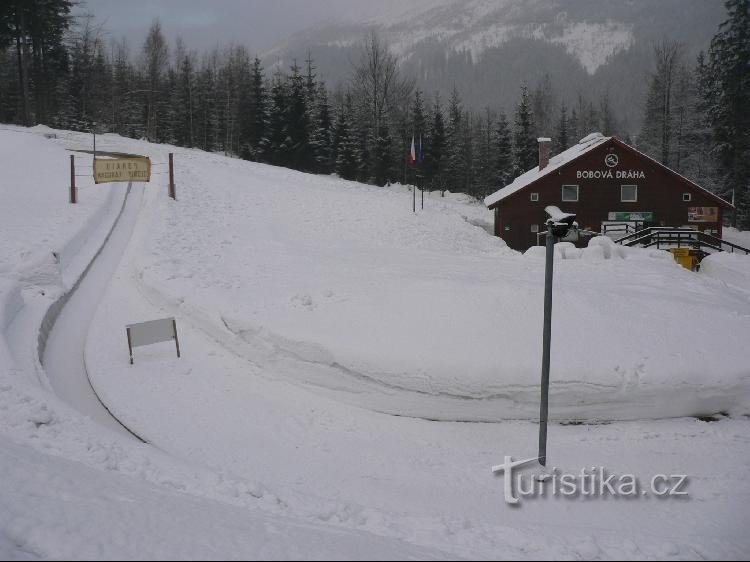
point(584, 145)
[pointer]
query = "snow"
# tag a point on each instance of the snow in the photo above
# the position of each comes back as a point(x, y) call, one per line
point(585, 145)
point(735, 236)
point(311, 309)
point(594, 43)
point(732, 269)
point(478, 25)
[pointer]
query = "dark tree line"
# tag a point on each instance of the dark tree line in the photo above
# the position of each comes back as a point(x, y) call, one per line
point(60, 72)
point(696, 119)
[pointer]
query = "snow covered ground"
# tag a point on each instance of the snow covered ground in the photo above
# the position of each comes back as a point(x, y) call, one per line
point(310, 310)
point(340, 288)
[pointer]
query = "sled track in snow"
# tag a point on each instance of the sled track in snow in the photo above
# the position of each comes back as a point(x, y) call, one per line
point(64, 329)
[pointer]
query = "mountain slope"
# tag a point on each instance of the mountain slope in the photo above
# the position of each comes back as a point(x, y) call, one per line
point(585, 45)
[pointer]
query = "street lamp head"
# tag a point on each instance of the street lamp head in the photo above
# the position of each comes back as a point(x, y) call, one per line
point(559, 222)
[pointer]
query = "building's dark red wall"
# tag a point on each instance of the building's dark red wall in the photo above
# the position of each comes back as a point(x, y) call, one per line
point(660, 192)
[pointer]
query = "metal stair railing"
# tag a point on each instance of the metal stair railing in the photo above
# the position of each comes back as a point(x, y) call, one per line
point(665, 236)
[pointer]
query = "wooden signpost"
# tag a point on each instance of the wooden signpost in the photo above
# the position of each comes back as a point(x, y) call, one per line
point(73, 194)
point(126, 169)
point(172, 189)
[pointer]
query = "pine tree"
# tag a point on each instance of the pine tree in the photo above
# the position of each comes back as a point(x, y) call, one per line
point(504, 157)
point(699, 163)
point(36, 30)
point(321, 140)
point(607, 121)
point(455, 165)
point(574, 128)
point(206, 107)
point(300, 156)
point(562, 137)
point(183, 99)
point(253, 113)
point(418, 120)
point(364, 143)
point(126, 94)
point(526, 150)
point(275, 144)
point(485, 155)
point(384, 161)
point(85, 86)
point(417, 127)
point(468, 179)
point(435, 147)
point(311, 88)
point(344, 143)
point(729, 61)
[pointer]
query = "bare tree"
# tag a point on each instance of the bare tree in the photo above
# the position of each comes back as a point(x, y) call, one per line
point(378, 86)
point(377, 79)
point(659, 122)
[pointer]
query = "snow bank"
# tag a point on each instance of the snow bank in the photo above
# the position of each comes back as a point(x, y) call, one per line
point(739, 237)
point(730, 268)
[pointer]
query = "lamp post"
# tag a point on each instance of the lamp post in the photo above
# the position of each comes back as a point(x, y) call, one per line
point(558, 226)
point(546, 343)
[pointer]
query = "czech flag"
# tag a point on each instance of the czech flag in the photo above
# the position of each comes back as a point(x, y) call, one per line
point(412, 153)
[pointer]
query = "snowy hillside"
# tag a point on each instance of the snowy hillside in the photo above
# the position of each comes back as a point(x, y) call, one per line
point(324, 326)
point(477, 25)
point(340, 288)
point(489, 48)
point(590, 31)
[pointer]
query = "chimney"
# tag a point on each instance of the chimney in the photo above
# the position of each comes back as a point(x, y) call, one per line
point(544, 147)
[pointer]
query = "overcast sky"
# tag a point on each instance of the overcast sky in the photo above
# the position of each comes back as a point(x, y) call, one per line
point(203, 24)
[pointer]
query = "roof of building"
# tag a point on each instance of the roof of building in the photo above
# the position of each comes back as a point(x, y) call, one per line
point(584, 145)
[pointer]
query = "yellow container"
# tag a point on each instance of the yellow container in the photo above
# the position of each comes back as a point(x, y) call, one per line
point(683, 257)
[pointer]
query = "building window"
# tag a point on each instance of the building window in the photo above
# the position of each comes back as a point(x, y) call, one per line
point(687, 197)
point(535, 228)
point(628, 193)
point(535, 197)
point(570, 193)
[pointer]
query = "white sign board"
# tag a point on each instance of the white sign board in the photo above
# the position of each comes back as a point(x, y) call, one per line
point(153, 331)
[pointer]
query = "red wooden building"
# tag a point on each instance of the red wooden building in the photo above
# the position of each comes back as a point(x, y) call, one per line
point(609, 185)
